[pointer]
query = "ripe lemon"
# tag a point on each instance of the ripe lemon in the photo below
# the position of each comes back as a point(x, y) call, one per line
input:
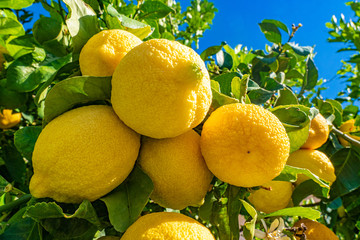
point(167, 226)
point(348, 127)
point(244, 144)
point(9, 119)
point(316, 230)
point(318, 133)
point(161, 89)
point(276, 197)
point(103, 52)
point(177, 169)
point(317, 162)
point(83, 154)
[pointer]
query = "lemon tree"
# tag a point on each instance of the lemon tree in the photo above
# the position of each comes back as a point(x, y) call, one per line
point(113, 125)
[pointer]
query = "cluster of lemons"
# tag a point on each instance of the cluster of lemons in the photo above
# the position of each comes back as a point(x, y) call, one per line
point(160, 92)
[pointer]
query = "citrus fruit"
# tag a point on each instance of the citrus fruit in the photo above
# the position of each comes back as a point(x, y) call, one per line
point(167, 226)
point(348, 127)
point(8, 119)
point(318, 133)
point(83, 154)
point(177, 169)
point(161, 89)
point(315, 230)
point(315, 161)
point(103, 52)
point(244, 144)
point(276, 196)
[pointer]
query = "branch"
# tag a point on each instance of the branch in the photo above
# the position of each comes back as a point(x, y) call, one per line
point(346, 137)
point(15, 203)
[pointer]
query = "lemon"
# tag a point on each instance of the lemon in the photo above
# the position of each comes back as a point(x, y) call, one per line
point(318, 133)
point(348, 127)
point(83, 154)
point(244, 144)
point(315, 230)
point(315, 161)
point(167, 226)
point(177, 169)
point(8, 119)
point(276, 196)
point(161, 89)
point(103, 52)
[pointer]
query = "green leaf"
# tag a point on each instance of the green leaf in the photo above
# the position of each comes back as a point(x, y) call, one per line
point(11, 99)
point(271, 32)
point(347, 167)
point(308, 188)
point(298, 138)
point(154, 10)
point(15, 4)
point(277, 23)
point(224, 60)
point(260, 96)
point(205, 210)
point(289, 173)
point(286, 97)
point(14, 163)
point(82, 23)
point(211, 51)
point(292, 116)
point(10, 26)
point(225, 81)
point(297, 211)
point(26, 73)
point(311, 75)
point(338, 111)
point(234, 56)
point(72, 91)
point(25, 139)
point(249, 227)
point(293, 73)
point(22, 229)
point(127, 201)
point(302, 51)
point(115, 20)
point(220, 99)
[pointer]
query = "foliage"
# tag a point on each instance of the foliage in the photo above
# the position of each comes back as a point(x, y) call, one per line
point(41, 67)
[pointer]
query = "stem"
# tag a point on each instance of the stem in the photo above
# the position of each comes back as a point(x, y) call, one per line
point(15, 203)
point(61, 11)
point(346, 137)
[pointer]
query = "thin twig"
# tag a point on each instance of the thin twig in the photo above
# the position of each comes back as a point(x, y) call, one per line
point(346, 137)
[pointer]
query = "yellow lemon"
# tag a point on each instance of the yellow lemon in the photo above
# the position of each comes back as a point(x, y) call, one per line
point(315, 161)
point(167, 226)
point(161, 89)
point(274, 195)
point(244, 144)
point(83, 154)
point(318, 133)
point(103, 52)
point(348, 127)
point(8, 119)
point(315, 230)
point(177, 169)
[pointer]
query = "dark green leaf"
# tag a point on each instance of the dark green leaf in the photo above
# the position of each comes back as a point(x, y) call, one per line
point(271, 32)
point(22, 229)
point(154, 10)
point(72, 91)
point(308, 188)
point(260, 96)
point(224, 60)
point(293, 73)
point(211, 51)
point(277, 23)
point(15, 4)
point(311, 75)
point(292, 116)
point(82, 23)
point(302, 51)
point(271, 84)
point(297, 211)
point(25, 139)
point(205, 210)
point(14, 163)
point(225, 81)
point(127, 201)
point(115, 20)
point(11, 99)
point(347, 167)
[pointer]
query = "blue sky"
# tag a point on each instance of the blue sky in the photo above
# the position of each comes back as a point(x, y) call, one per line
point(236, 22)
